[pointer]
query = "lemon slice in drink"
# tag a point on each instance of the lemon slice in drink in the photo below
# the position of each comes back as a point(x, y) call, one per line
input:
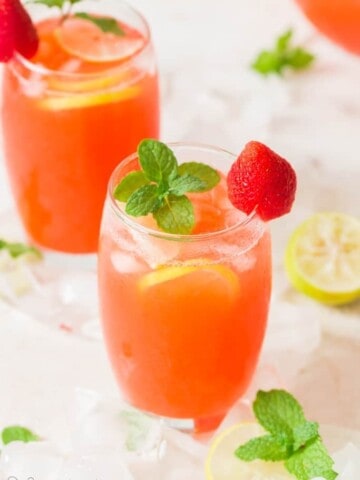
point(83, 39)
point(322, 258)
point(222, 464)
point(67, 102)
point(163, 274)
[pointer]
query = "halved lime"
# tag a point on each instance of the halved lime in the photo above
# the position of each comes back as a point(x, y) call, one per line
point(222, 464)
point(322, 258)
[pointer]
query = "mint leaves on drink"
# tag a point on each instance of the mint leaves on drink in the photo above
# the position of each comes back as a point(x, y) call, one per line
point(291, 438)
point(56, 3)
point(16, 249)
point(282, 56)
point(160, 186)
point(17, 433)
point(105, 24)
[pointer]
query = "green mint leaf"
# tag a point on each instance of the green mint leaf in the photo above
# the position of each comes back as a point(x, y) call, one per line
point(16, 249)
point(299, 58)
point(278, 412)
point(18, 434)
point(208, 175)
point(310, 462)
point(143, 201)
point(267, 447)
point(186, 183)
point(105, 24)
point(50, 3)
point(305, 433)
point(133, 181)
point(283, 42)
point(176, 215)
point(283, 55)
point(158, 161)
point(268, 62)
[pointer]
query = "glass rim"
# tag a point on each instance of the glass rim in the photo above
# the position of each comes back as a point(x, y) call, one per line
point(132, 223)
point(40, 69)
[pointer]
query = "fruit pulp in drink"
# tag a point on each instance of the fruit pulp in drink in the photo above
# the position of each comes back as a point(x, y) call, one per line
point(184, 320)
point(67, 121)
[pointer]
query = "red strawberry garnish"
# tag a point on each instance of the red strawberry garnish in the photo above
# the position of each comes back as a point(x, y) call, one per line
point(17, 32)
point(7, 41)
point(26, 38)
point(261, 180)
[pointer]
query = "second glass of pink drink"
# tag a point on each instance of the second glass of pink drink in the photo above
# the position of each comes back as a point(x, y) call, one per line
point(71, 113)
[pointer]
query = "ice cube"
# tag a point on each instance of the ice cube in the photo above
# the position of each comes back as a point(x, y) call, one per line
point(94, 466)
point(292, 336)
point(347, 462)
point(126, 263)
point(109, 423)
point(34, 86)
point(155, 250)
point(78, 289)
point(37, 460)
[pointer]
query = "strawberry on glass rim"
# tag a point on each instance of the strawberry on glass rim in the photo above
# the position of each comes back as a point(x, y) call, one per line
point(262, 181)
point(17, 32)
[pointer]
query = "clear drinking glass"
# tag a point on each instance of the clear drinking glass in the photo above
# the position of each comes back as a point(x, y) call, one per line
point(184, 316)
point(69, 118)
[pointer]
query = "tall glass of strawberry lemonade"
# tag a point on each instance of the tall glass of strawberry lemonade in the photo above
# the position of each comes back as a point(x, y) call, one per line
point(184, 316)
point(72, 112)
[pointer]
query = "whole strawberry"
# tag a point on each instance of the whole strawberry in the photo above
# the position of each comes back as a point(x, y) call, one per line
point(7, 41)
point(17, 32)
point(261, 180)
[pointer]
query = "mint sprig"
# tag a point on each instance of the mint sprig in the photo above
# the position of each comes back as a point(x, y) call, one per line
point(55, 3)
point(16, 433)
point(291, 438)
point(283, 55)
point(105, 24)
point(160, 186)
point(17, 249)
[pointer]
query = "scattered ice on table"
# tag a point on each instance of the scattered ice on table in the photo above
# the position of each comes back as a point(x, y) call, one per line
point(111, 424)
point(37, 460)
point(94, 466)
point(64, 299)
point(347, 462)
point(16, 278)
point(292, 336)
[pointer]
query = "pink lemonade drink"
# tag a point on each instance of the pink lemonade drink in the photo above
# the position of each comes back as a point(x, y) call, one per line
point(184, 316)
point(71, 112)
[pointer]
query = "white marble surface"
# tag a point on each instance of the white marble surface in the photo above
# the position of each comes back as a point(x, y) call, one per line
point(209, 95)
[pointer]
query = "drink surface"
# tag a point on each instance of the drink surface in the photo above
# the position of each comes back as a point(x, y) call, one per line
point(67, 128)
point(338, 19)
point(184, 320)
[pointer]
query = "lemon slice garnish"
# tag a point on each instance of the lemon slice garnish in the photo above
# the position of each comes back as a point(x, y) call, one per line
point(222, 464)
point(81, 38)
